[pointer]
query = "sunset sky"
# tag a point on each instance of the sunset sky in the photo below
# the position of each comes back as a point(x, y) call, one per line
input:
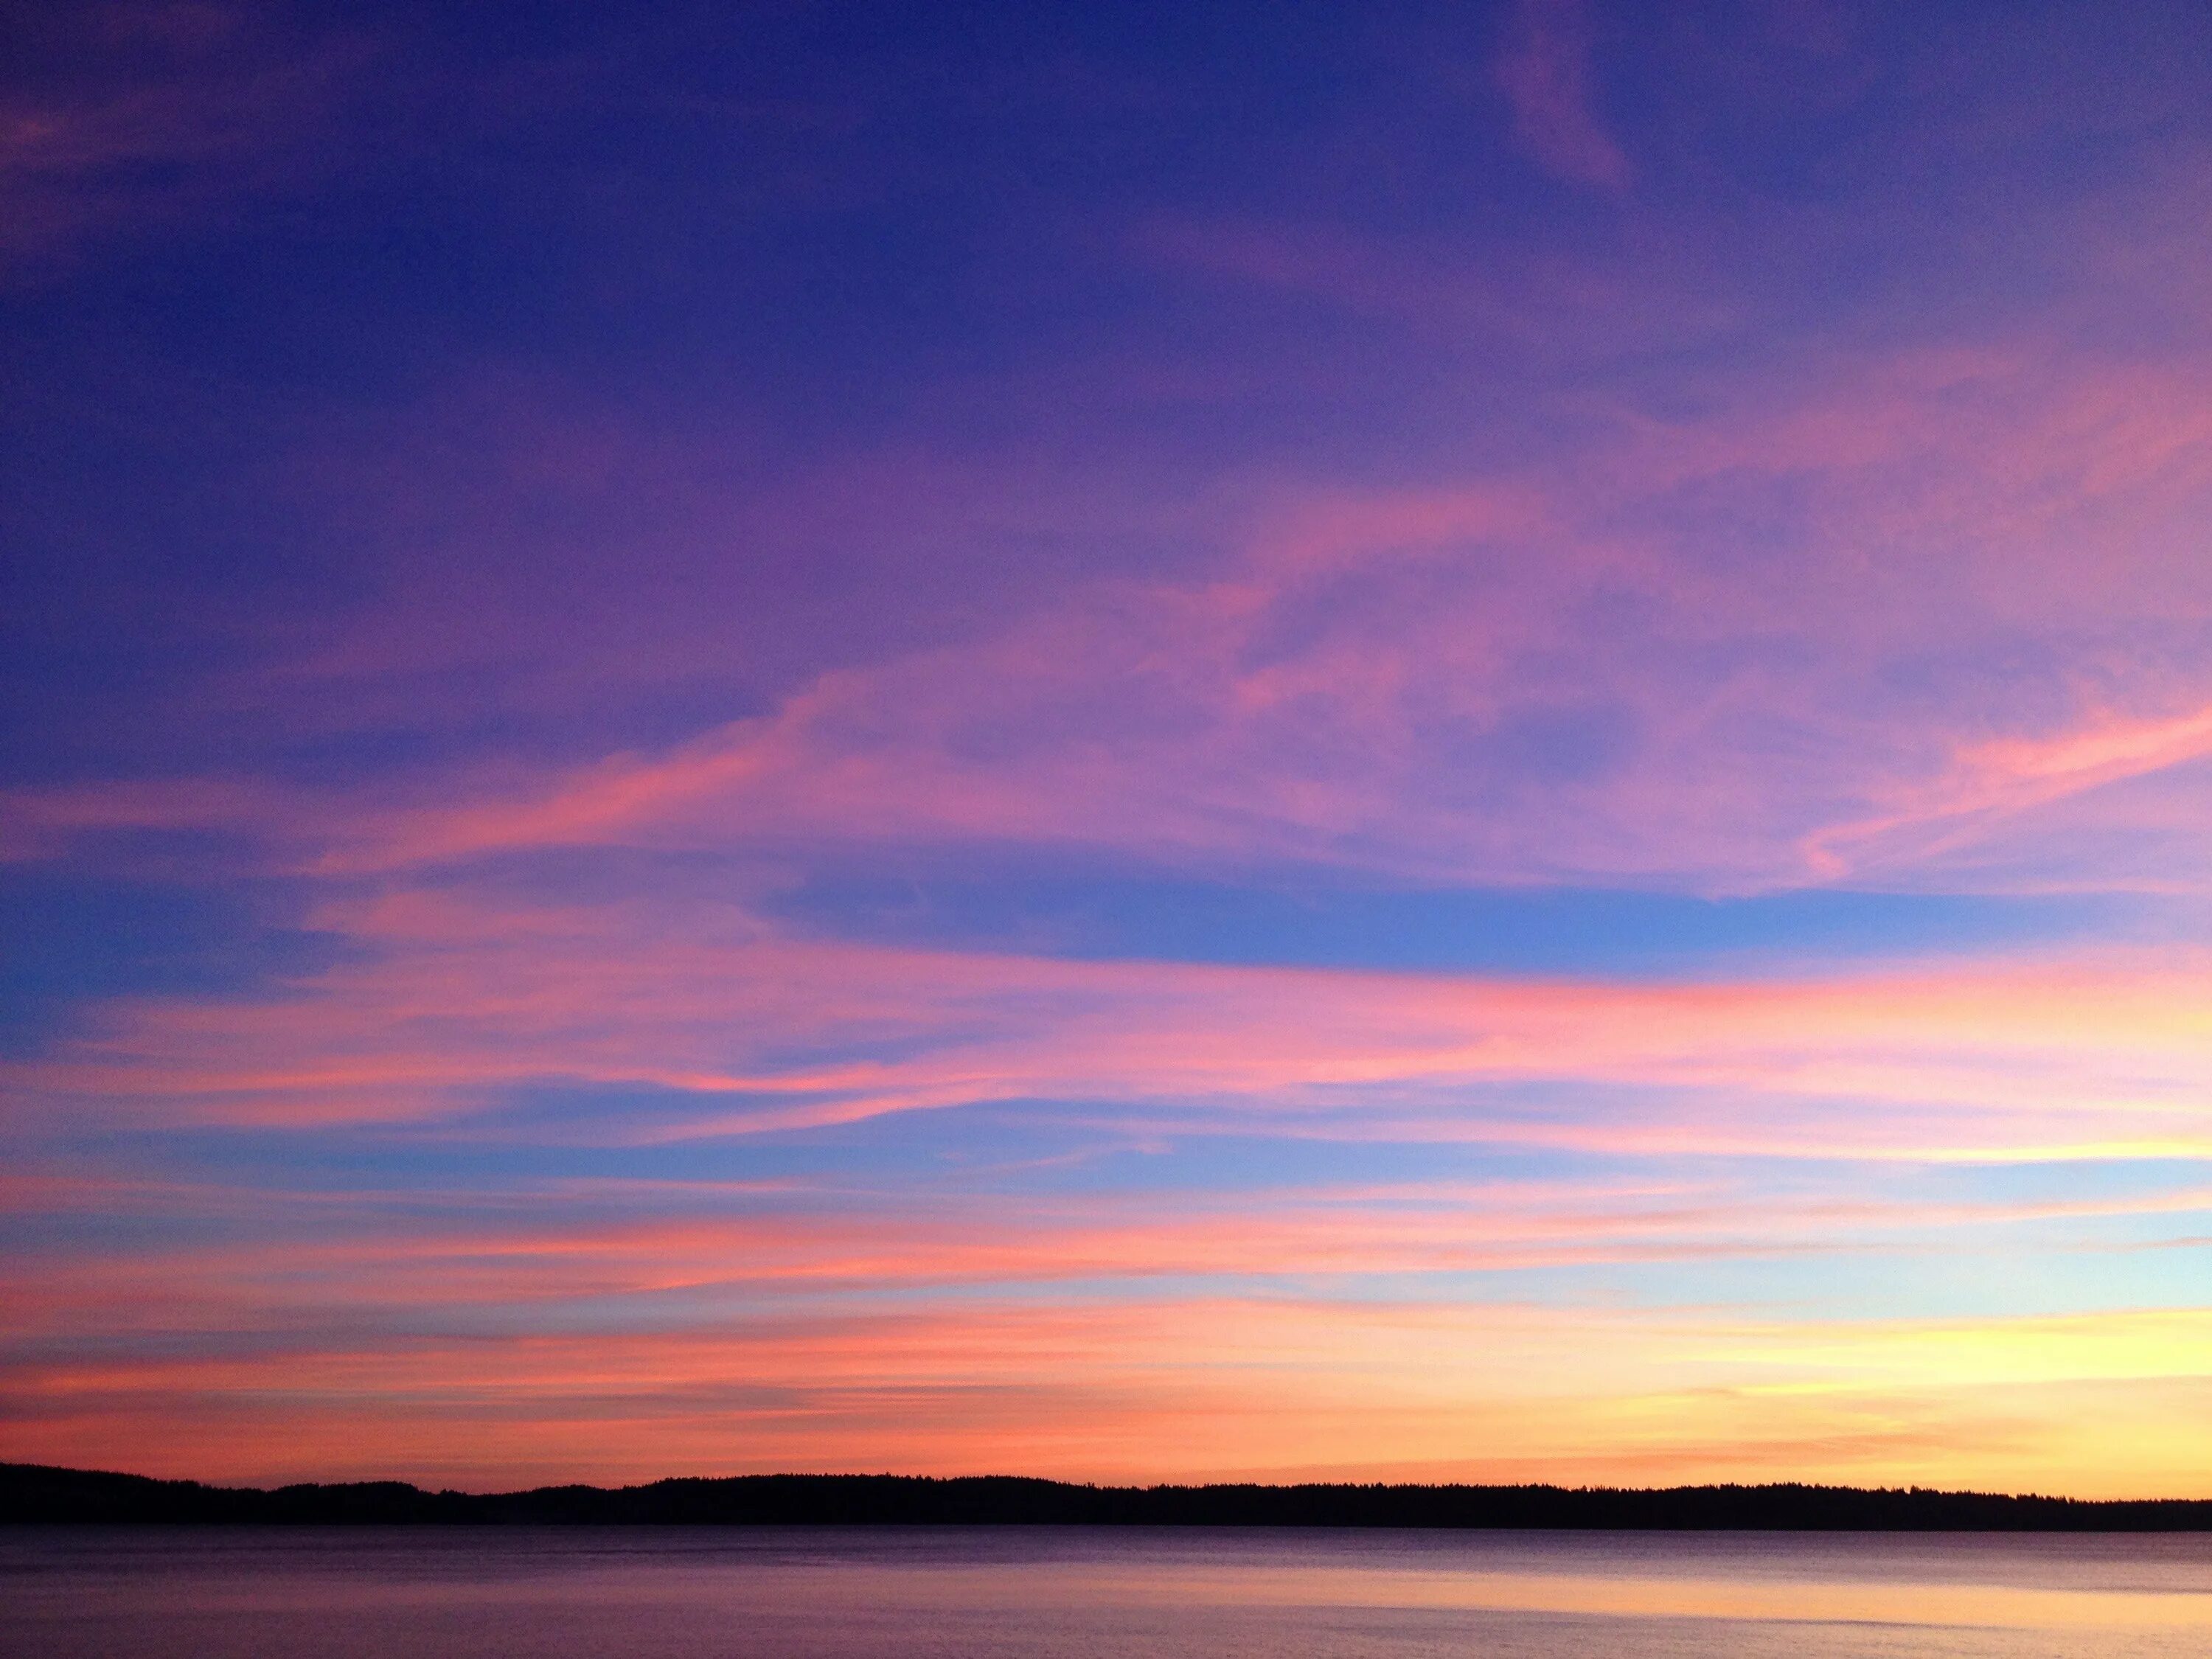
point(1114, 741)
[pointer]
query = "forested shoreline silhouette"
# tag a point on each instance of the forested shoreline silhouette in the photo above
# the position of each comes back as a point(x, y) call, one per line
point(34, 1493)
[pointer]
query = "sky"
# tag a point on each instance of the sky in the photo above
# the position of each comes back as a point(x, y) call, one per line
point(1133, 743)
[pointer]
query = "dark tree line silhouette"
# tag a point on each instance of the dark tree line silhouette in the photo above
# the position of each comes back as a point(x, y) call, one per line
point(33, 1493)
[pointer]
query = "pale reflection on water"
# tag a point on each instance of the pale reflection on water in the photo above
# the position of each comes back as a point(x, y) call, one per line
point(833, 1593)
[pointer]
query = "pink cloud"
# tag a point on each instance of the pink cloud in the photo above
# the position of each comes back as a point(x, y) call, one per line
point(192, 109)
point(1679, 566)
point(1373, 676)
point(1544, 70)
point(2086, 1404)
point(304, 1259)
point(454, 1001)
point(2003, 777)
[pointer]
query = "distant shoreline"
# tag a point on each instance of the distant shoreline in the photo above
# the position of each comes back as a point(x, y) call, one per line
point(35, 1494)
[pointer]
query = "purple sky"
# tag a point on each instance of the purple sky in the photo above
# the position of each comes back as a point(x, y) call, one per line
point(1462, 741)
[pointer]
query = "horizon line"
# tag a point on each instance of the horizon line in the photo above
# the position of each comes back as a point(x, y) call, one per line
point(61, 1494)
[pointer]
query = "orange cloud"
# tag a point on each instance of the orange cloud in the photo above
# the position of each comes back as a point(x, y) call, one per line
point(1183, 1389)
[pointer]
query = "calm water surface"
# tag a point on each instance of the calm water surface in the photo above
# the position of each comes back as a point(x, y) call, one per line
point(152, 1592)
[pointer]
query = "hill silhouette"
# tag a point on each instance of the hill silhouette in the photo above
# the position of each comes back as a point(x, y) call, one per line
point(36, 1493)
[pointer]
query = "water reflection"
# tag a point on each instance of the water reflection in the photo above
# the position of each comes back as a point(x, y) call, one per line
point(838, 1594)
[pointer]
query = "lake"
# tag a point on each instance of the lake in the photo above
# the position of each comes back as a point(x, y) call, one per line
point(651, 1593)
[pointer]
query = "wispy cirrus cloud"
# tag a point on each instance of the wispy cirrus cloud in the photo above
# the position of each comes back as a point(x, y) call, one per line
point(447, 1007)
point(955, 809)
point(161, 116)
point(1429, 680)
point(1545, 72)
point(2007, 776)
point(1108, 1392)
